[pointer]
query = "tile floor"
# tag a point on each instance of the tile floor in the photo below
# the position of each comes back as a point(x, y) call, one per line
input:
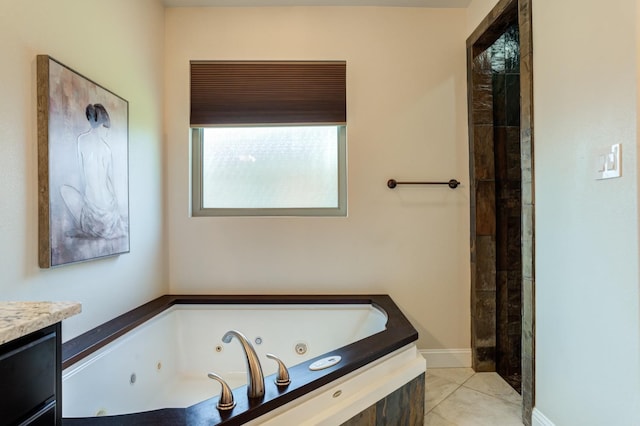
point(461, 397)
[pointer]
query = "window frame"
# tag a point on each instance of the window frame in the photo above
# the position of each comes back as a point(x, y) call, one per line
point(197, 209)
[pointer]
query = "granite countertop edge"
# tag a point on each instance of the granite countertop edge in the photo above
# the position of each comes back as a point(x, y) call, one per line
point(17, 319)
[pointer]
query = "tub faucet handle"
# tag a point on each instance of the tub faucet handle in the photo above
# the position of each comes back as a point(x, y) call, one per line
point(226, 401)
point(283, 378)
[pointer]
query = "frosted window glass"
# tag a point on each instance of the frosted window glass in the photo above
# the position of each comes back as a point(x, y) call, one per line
point(270, 167)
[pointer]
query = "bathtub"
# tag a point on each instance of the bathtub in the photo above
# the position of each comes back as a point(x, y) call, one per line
point(150, 365)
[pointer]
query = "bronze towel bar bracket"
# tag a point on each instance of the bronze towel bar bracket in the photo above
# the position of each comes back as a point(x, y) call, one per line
point(453, 183)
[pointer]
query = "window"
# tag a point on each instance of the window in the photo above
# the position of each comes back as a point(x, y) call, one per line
point(268, 138)
point(269, 171)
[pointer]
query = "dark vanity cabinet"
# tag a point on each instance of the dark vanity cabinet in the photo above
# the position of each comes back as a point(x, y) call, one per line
point(31, 379)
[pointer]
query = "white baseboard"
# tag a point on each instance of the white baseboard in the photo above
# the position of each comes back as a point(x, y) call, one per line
point(539, 419)
point(447, 358)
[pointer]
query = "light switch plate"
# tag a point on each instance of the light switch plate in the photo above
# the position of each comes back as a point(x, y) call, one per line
point(609, 162)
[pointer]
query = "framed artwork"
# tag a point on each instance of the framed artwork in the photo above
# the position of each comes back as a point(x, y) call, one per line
point(83, 167)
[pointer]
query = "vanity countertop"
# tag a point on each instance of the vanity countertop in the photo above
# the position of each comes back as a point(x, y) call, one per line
point(18, 319)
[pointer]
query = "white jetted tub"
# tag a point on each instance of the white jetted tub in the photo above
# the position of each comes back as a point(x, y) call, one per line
point(150, 365)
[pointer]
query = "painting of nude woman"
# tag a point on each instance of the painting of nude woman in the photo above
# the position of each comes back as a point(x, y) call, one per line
point(83, 167)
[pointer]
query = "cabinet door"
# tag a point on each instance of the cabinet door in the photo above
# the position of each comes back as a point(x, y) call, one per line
point(28, 372)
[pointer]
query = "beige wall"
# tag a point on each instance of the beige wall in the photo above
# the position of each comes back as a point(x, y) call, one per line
point(477, 11)
point(406, 89)
point(587, 295)
point(118, 44)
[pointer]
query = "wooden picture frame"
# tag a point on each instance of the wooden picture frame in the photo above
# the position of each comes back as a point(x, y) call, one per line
point(83, 167)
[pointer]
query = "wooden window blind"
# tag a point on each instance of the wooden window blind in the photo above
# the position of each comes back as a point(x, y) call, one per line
point(280, 92)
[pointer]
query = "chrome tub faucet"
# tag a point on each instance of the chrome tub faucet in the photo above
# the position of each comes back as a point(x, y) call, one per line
point(255, 377)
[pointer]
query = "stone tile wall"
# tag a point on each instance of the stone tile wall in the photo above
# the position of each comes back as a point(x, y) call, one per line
point(483, 217)
point(528, 202)
point(403, 407)
point(505, 68)
point(498, 204)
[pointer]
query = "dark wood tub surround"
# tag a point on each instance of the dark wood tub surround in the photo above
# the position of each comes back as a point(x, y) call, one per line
point(398, 333)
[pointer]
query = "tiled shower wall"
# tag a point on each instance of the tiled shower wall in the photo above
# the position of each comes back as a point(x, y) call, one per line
point(484, 230)
point(483, 217)
point(496, 157)
point(505, 67)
